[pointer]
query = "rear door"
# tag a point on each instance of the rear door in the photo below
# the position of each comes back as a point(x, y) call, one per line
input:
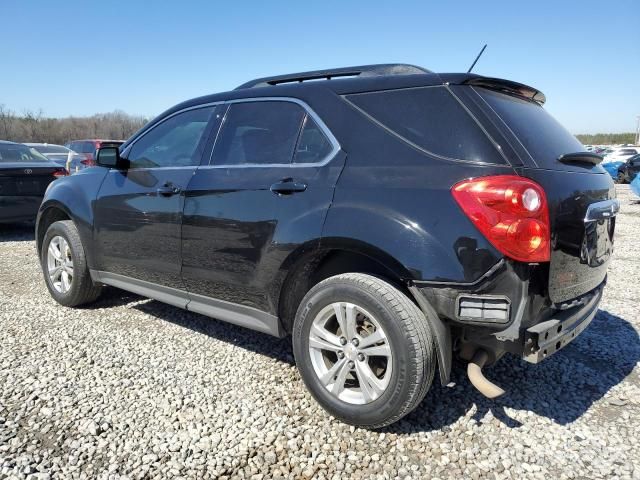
point(138, 211)
point(580, 194)
point(265, 192)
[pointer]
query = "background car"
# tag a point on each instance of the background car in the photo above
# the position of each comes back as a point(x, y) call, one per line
point(612, 168)
point(621, 154)
point(628, 170)
point(88, 148)
point(60, 155)
point(25, 175)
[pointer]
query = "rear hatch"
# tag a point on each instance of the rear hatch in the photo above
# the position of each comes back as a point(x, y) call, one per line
point(579, 191)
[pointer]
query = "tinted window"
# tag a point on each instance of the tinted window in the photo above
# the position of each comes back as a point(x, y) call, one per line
point(542, 135)
point(14, 152)
point(313, 145)
point(173, 143)
point(258, 133)
point(430, 118)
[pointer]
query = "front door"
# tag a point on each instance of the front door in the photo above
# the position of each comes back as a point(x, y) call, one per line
point(138, 211)
point(266, 192)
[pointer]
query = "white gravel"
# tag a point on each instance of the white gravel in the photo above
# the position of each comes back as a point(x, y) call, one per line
point(131, 388)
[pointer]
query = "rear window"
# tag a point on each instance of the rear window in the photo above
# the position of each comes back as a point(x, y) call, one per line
point(542, 135)
point(431, 119)
point(51, 149)
point(10, 152)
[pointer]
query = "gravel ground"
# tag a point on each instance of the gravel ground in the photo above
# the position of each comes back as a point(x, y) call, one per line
point(131, 388)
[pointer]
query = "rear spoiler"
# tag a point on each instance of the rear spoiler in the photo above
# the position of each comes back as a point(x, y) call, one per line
point(508, 87)
point(580, 157)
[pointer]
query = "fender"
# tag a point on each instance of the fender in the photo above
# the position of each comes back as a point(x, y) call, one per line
point(74, 195)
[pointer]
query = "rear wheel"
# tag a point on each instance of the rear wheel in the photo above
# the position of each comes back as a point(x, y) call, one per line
point(621, 178)
point(364, 350)
point(65, 266)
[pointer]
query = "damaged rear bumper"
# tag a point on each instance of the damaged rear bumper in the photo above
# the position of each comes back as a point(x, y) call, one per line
point(546, 338)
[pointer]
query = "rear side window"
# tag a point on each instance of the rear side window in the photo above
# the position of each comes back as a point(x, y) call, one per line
point(431, 119)
point(258, 133)
point(172, 143)
point(542, 135)
point(313, 145)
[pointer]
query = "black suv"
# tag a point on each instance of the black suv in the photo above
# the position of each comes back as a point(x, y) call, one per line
point(628, 170)
point(385, 216)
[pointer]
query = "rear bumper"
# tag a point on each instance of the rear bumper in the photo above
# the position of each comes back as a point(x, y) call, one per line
point(19, 208)
point(546, 338)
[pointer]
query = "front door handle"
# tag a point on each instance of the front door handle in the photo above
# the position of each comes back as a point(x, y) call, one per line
point(288, 186)
point(168, 189)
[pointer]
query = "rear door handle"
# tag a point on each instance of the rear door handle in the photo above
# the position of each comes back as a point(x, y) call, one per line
point(287, 186)
point(168, 189)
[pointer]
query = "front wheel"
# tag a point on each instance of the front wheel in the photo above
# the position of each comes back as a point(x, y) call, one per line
point(364, 349)
point(65, 266)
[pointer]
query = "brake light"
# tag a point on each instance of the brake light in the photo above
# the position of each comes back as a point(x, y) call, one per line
point(60, 172)
point(511, 212)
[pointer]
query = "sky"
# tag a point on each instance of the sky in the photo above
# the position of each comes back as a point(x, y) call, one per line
point(83, 57)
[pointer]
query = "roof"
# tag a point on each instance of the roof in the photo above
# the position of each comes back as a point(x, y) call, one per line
point(7, 142)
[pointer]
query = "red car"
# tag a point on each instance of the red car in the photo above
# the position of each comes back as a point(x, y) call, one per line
point(88, 148)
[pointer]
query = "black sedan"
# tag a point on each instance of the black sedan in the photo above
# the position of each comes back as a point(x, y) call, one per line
point(629, 169)
point(25, 174)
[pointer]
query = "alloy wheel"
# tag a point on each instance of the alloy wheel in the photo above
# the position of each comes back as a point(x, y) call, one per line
point(350, 353)
point(60, 264)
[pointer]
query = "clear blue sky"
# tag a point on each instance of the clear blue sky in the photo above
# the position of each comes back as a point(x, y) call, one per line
point(81, 57)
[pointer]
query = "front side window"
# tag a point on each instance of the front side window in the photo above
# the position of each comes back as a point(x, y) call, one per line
point(258, 133)
point(172, 143)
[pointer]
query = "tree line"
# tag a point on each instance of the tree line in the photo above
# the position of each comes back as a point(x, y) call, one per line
point(606, 138)
point(35, 127)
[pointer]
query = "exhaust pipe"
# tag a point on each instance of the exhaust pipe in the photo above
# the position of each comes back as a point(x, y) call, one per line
point(478, 380)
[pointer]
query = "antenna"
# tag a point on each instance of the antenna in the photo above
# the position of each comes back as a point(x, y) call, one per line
point(476, 60)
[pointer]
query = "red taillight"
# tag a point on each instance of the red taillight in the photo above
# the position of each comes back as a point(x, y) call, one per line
point(88, 161)
point(511, 212)
point(60, 172)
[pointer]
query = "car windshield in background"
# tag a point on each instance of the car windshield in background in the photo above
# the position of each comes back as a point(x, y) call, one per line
point(20, 153)
point(542, 135)
point(51, 149)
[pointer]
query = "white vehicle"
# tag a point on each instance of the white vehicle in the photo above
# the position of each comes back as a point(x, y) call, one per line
point(621, 154)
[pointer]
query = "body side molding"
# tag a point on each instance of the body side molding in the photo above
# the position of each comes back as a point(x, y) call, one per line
point(241, 315)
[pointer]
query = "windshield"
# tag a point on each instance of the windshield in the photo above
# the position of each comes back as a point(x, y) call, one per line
point(15, 152)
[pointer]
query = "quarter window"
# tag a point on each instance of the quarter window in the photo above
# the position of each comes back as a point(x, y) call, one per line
point(258, 133)
point(313, 145)
point(173, 143)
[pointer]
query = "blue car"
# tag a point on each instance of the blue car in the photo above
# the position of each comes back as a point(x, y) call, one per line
point(612, 168)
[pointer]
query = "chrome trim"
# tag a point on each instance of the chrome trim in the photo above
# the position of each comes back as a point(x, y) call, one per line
point(186, 109)
point(308, 110)
point(602, 210)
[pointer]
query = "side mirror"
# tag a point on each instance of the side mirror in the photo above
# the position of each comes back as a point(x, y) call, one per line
point(109, 157)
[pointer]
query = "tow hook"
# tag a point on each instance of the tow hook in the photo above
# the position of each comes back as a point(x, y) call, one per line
point(478, 380)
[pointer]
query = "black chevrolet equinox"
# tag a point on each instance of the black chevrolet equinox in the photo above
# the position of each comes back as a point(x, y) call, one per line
point(384, 216)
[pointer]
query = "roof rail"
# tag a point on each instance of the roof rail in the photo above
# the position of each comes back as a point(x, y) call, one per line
point(328, 74)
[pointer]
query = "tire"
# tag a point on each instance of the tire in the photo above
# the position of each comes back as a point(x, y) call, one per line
point(621, 178)
point(80, 289)
point(408, 346)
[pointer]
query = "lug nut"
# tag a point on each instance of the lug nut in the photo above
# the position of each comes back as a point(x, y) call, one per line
point(351, 364)
point(361, 357)
point(340, 354)
point(343, 341)
point(355, 342)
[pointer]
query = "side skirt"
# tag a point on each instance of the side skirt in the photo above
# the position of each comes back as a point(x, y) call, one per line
point(237, 314)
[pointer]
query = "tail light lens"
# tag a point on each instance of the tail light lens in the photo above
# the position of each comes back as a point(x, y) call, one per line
point(511, 212)
point(60, 172)
point(88, 161)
